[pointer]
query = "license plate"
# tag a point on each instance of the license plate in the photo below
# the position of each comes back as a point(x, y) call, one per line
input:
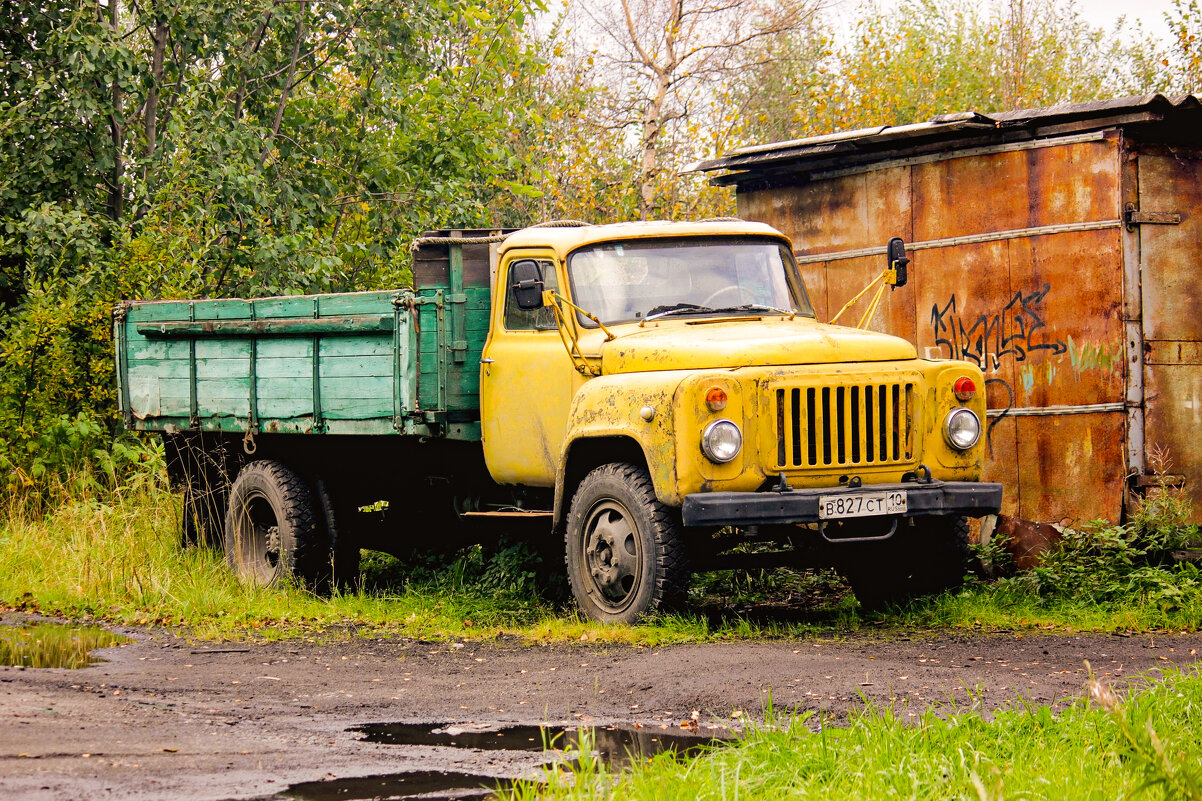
point(861, 504)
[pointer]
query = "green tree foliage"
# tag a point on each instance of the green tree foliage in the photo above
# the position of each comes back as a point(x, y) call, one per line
point(1184, 57)
point(918, 59)
point(179, 148)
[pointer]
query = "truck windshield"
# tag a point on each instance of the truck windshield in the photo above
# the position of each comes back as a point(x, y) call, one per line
point(641, 279)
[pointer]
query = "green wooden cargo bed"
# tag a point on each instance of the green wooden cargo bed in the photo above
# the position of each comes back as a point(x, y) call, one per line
point(384, 362)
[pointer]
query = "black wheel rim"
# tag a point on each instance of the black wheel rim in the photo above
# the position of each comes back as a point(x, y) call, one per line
point(258, 546)
point(613, 555)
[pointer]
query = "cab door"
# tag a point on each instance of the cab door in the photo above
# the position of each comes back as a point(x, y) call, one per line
point(526, 384)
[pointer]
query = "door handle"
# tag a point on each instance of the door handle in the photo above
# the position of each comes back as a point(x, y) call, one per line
point(486, 360)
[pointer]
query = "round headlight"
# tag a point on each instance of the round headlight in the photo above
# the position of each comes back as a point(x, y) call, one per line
point(962, 429)
point(721, 441)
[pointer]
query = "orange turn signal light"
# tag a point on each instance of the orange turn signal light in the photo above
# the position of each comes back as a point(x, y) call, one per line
point(715, 399)
point(965, 388)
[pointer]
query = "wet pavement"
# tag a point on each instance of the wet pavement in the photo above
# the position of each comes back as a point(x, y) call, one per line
point(614, 746)
point(165, 717)
point(53, 645)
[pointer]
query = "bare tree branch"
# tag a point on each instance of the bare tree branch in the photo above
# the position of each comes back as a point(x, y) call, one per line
point(660, 65)
point(279, 111)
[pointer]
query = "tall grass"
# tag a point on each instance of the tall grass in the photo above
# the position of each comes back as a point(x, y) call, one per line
point(1099, 747)
point(89, 529)
point(119, 559)
point(115, 556)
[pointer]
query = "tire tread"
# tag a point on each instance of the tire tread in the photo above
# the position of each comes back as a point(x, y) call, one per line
point(672, 568)
point(309, 554)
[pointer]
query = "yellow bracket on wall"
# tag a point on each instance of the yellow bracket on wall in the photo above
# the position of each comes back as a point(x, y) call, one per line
point(570, 341)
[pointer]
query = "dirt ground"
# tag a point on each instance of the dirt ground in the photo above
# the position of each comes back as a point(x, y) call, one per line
point(168, 718)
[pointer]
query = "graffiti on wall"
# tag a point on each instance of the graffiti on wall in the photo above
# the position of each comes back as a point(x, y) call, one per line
point(1017, 331)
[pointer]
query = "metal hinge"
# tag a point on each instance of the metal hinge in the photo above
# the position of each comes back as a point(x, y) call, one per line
point(1133, 217)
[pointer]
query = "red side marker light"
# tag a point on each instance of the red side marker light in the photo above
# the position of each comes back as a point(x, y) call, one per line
point(964, 388)
point(715, 399)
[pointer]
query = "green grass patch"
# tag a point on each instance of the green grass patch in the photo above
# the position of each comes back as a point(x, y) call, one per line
point(1098, 747)
point(115, 557)
point(118, 560)
point(1003, 606)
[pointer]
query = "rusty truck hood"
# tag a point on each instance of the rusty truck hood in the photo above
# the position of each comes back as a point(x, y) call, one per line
point(745, 342)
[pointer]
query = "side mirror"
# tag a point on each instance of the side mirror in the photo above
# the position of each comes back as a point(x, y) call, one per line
point(895, 253)
point(526, 283)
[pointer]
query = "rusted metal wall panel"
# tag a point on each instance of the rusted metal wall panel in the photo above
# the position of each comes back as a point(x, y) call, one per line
point(1039, 311)
point(847, 277)
point(1014, 190)
point(847, 213)
point(1002, 460)
point(1067, 329)
point(1173, 421)
point(1170, 180)
point(963, 295)
point(854, 211)
point(956, 293)
point(1071, 467)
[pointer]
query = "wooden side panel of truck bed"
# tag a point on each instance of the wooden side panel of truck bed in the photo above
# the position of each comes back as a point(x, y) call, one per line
point(352, 363)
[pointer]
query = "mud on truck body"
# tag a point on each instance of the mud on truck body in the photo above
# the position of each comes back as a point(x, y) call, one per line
point(648, 394)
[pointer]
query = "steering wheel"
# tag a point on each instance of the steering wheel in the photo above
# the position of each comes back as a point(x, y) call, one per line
point(740, 294)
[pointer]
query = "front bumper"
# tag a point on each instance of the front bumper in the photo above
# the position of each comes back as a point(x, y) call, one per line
point(969, 498)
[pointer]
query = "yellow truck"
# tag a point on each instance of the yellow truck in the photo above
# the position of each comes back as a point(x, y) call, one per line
point(652, 393)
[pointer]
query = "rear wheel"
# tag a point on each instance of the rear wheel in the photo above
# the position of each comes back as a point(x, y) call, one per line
point(623, 549)
point(273, 529)
point(927, 558)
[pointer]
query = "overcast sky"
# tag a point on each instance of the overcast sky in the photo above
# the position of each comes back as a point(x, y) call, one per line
point(1100, 13)
point(1150, 13)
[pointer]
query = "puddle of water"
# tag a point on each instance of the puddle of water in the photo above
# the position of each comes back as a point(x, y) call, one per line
point(45, 645)
point(429, 785)
point(615, 745)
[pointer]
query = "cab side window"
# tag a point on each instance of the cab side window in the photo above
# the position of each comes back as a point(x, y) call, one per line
point(541, 319)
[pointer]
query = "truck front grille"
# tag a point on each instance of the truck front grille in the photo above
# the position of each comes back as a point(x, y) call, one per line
point(866, 424)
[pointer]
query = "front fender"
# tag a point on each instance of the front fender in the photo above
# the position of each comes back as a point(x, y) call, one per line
point(613, 406)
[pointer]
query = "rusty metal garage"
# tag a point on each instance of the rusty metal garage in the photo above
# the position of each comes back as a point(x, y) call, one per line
point(1057, 248)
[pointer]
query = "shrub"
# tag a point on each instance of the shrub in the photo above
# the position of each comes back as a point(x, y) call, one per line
point(75, 457)
point(1101, 562)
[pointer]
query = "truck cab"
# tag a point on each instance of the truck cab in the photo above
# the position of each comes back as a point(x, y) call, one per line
point(670, 379)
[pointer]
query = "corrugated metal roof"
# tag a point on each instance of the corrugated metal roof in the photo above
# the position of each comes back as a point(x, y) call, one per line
point(945, 133)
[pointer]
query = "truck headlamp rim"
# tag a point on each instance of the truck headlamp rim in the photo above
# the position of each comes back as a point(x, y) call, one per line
point(721, 441)
point(962, 429)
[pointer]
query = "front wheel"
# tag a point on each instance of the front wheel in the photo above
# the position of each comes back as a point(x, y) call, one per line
point(623, 549)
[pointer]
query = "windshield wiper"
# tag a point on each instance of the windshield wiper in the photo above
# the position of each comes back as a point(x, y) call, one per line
point(755, 307)
point(693, 308)
point(677, 308)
